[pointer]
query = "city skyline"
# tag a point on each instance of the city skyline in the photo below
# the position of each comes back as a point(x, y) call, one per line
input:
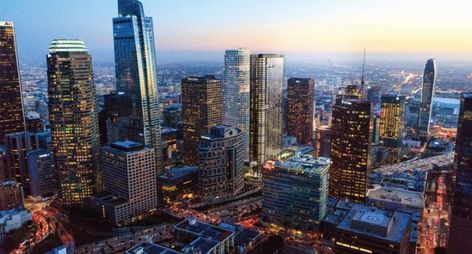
point(338, 29)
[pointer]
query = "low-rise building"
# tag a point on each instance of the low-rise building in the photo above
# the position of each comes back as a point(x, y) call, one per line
point(178, 184)
point(14, 218)
point(11, 195)
point(392, 198)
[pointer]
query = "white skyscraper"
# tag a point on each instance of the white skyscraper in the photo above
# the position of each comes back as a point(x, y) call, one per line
point(236, 92)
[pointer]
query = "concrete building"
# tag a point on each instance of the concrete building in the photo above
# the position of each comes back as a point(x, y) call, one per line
point(392, 198)
point(129, 178)
point(295, 192)
point(11, 195)
point(43, 180)
point(178, 184)
point(14, 218)
point(221, 157)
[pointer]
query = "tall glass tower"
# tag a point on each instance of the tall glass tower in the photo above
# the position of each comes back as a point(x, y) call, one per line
point(11, 104)
point(267, 80)
point(236, 92)
point(429, 83)
point(135, 66)
point(73, 120)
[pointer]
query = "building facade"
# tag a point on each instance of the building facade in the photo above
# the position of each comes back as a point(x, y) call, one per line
point(41, 172)
point(11, 195)
point(266, 85)
point(295, 192)
point(391, 121)
point(202, 106)
point(300, 104)
point(130, 179)
point(11, 103)
point(221, 157)
point(135, 67)
point(351, 139)
point(427, 94)
point(236, 92)
point(460, 231)
point(73, 120)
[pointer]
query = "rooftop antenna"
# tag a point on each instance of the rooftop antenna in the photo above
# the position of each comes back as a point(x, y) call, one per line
point(363, 70)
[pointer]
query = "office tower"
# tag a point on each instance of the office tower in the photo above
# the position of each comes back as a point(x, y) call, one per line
point(11, 103)
point(323, 141)
point(202, 108)
point(391, 120)
point(373, 95)
point(41, 172)
point(11, 195)
point(295, 192)
point(266, 84)
point(3, 163)
point(427, 94)
point(352, 92)
point(129, 178)
point(34, 124)
point(236, 92)
point(358, 228)
point(221, 157)
point(351, 138)
point(135, 66)
point(18, 145)
point(460, 231)
point(300, 103)
point(73, 120)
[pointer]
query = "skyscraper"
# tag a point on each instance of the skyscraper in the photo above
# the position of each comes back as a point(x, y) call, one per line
point(350, 149)
point(202, 108)
point(391, 120)
point(73, 120)
point(300, 118)
point(41, 172)
point(221, 157)
point(461, 217)
point(11, 103)
point(129, 177)
point(427, 94)
point(135, 66)
point(236, 92)
point(266, 84)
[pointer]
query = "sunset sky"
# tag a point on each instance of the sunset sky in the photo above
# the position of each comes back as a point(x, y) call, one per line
point(205, 28)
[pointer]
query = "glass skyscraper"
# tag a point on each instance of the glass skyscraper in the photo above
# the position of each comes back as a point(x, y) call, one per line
point(460, 233)
point(391, 120)
point(135, 66)
point(300, 103)
point(73, 120)
point(429, 84)
point(236, 92)
point(266, 79)
point(11, 104)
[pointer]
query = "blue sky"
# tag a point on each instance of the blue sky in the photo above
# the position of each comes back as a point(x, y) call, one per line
point(202, 29)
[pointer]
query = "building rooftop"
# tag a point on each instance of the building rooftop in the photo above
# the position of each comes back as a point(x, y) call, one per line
point(209, 231)
point(204, 245)
point(67, 45)
point(376, 223)
point(127, 146)
point(397, 195)
point(305, 164)
point(178, 172)
point(150, 248)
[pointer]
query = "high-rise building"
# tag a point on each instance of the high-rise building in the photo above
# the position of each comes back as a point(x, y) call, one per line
point(202, 108)
point(11, 104)
point(427, 94)
point(129, 178)
point(236, 92)
point(300, 103)
point(295, 192)
point(18, 145)
point(41, 173)
point(135, 66)
point(73, 120)
point(266, 84)
point(391, 120)
point(323, 141)
point(460, 231)
point(11, 195)
point(351, 139)
point(221, 156)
